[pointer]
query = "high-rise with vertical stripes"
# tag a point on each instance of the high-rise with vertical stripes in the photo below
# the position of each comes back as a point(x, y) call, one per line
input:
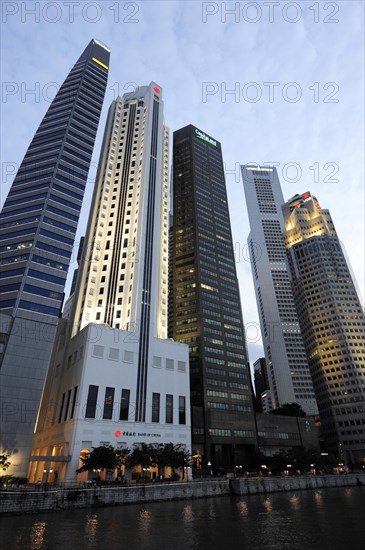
point(37, 231)
point(115, 377)
point(287, 365)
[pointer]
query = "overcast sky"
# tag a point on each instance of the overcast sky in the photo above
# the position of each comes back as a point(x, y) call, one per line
point(297, 69)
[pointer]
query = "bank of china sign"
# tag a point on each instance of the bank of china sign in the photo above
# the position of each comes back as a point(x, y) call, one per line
point(203, 136)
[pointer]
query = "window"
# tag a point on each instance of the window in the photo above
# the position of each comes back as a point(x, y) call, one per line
point(67, 405)
point(114, 354)
point(169, 408)
point(155, 407)
point(182, 409)
point(62, 403)
point(181, 366)
point(98, 351)
point(157, 362)
point(30, 306)
point(46, 276)
point(73, 402)
point(170, 364)
point(128, 356)
point(124, 405)
point(108, 403)
point(91, 401)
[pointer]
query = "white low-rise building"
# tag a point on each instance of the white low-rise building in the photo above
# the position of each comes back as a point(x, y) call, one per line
point(91, 400)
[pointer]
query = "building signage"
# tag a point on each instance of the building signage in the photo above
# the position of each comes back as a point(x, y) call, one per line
point(203, 136)
point(119, 433)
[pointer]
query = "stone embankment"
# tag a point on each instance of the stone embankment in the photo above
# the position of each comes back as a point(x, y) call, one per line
point(29, 501)
point(257, 485)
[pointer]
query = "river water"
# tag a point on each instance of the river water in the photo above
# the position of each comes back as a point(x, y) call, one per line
point(325, 519)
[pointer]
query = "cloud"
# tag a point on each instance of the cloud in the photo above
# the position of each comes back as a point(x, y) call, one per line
point(171, 44)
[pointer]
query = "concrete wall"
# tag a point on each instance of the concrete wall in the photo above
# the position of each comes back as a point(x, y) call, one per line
point(32, 501)
point(25, 502)
point(255, 486)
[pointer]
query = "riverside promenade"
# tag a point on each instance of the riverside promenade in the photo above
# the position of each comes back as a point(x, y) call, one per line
point(51, 499)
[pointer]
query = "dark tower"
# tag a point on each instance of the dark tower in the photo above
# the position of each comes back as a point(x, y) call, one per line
point(206, 304)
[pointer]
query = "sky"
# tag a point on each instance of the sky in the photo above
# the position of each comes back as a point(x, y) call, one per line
point(275, 82)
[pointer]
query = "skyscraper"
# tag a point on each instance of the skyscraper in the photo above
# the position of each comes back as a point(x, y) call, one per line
point(332, 322)
point(37, 230)
point(206, 304)
point(262, 385)
point(286, 361)
point(113, 367)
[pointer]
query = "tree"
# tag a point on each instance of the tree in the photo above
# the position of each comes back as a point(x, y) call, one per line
point(290, 409)
point(4, 462)
point(100, 458)
point(121, 458)
point(144, 456)
point(173, 456)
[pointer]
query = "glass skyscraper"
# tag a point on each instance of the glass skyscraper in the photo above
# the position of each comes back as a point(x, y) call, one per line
point(332, 323)
point(206, 305)
point(37, 230)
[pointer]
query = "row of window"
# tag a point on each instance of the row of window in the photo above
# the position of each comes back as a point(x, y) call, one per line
point(220, 432)
point(124, 410)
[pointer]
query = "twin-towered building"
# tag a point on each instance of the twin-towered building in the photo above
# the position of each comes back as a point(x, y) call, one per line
point(114, 377)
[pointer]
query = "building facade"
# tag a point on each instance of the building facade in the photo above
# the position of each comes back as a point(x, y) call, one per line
point(261, 381)
point(287, 365)
point(114, 371)
point(284, 433)
point(37, 231)
point(332, 323)
point(206, 304)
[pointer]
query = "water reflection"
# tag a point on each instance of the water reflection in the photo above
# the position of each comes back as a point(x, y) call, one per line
point(318, 499)
point(91, 529)
point(211, 509)
point(37, 536)
point(267, 504)
point(145, 519)
point(242, 508)
point(328, 519)
point(294, 501)
point(187, 514)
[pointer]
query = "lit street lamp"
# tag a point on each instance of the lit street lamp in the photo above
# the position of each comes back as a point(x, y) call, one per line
point(47, 471)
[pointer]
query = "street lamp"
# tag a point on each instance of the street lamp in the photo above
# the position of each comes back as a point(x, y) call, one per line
point(47, 471)
point(210, 467)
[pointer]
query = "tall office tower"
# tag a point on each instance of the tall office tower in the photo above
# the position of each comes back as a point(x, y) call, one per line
point(262, 386)
point(116, 368)
point(206, 304)
point(286, 361)
point(332, 322)
point(37, 232)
